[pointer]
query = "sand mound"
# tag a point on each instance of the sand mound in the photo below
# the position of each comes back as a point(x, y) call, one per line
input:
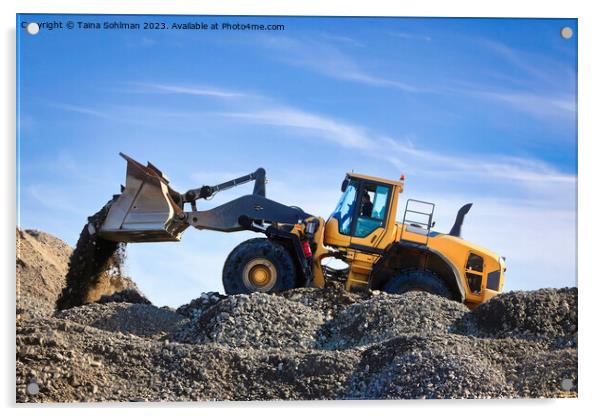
point(41, 271)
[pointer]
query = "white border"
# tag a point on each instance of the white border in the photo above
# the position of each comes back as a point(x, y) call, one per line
point(590, 71)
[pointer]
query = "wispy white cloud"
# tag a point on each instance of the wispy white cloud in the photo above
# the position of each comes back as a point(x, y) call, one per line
point(358, 75)
point(537, 67)
point(513, 56)
point(543, 89)
point(343, 134)
point(522, 170)
point(544, 105)
point(189, 90)
point(80, 110)
point(327, 59)
point(411, 36)
point(345, 40)
point(395, 151)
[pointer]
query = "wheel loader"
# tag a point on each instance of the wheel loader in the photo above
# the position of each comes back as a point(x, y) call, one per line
point(377, 252)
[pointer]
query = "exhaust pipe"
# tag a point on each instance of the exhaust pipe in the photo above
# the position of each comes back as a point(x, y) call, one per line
point(456, 230)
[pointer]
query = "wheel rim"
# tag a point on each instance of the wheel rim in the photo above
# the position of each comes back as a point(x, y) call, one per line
point(260, 275)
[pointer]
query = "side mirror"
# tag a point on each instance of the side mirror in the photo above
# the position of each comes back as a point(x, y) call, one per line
point(345, 184)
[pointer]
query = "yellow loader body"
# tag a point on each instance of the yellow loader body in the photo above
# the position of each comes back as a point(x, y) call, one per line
point(380, 252)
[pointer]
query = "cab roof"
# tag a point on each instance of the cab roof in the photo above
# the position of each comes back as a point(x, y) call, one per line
point(376, 179)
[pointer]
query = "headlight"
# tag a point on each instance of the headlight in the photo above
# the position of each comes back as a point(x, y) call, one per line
point(502, 261)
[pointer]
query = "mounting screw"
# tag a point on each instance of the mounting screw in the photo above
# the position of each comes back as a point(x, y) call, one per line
point(567, 384)
point(32, 28)
point(566, 32)
point(32, 387)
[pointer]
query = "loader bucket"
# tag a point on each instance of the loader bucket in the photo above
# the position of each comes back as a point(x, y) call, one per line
point(147, 209)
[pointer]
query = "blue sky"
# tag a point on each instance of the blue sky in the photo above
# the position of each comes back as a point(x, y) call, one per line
point(470, 110)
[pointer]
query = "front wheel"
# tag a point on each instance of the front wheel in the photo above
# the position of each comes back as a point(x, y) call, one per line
point(258, 265)
point(418, 280)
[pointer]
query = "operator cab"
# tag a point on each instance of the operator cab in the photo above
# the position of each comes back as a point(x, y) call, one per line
point(364, 212)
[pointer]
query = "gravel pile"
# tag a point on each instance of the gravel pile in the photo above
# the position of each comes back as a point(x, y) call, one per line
point(329, 301)
point(68, 362)
point(196, 307)
point(434, 367)
point(302, 344)
point(257, 320)
point(550, 373)
point(384, 317)
point(137, 319)
point(547, 315)
point(266, 347)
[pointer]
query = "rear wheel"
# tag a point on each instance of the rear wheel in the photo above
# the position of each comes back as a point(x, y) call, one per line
point(258, 265)
point(418, 280)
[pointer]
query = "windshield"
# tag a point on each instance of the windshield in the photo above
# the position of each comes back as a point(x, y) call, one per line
point(344, 209)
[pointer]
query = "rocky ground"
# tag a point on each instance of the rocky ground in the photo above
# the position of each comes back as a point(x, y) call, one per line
point(302, 344)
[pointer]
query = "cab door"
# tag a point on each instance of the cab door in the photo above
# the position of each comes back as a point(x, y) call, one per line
point(371, 216)
point(368, 231)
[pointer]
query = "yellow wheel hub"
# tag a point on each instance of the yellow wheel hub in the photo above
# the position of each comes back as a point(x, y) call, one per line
point(260, 275)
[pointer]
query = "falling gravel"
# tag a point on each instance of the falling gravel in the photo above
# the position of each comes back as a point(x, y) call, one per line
point(96, 267)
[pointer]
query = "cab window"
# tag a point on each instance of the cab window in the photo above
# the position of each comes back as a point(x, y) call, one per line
point(373, 209)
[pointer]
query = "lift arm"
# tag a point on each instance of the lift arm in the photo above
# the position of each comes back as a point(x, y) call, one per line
point(206, 191)
point(148, 209)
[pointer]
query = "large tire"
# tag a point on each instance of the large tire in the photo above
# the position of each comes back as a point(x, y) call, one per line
point(418, 280)
point(258, 265)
